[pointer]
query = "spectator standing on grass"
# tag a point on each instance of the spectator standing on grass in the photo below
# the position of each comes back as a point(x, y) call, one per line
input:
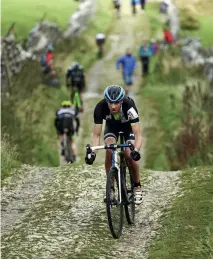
point(145, 52)
point(128, 64)
point(154, 46)
point(47, 61)
point(168, 37)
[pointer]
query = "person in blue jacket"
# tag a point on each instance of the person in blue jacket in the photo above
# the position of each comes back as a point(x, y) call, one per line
point(128, 64)
point(145, 52)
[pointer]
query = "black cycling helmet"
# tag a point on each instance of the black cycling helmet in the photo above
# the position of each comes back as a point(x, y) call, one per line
point(114, 93)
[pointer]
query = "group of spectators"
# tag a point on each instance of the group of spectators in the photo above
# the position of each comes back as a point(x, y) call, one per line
point(117, 5)
point(128, 63)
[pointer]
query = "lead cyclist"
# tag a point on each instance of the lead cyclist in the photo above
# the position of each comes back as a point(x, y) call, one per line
point(120, 114)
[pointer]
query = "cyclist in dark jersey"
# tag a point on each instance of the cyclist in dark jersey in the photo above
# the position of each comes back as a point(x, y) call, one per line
point(120, 114)
point(75, 77)
point(64, 119)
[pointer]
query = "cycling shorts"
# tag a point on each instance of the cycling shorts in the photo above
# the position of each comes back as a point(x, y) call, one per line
point(65, 123)
point(113, 129)
point(79, 85)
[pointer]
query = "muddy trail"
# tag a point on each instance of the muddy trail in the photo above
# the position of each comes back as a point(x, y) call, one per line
point(59, 212)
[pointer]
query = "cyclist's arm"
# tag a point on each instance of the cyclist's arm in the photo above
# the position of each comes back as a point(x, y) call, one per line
point(96, 134)
point(118, 62)
point(137, 132)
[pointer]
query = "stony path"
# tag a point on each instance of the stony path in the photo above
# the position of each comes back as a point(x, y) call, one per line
point(19, 193)
point(67, 219)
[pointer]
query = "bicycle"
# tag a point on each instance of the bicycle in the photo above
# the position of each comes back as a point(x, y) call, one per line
point(119, 188)
point(68, 156)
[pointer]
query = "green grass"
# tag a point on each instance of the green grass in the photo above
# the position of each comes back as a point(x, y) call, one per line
point(8, 157)
point(188, 228)
point(156, 21)
point(84, 48)
point(26, 13)
point(203, 33)
point(159, 108)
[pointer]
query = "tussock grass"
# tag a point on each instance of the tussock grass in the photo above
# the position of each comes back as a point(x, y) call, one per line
point(188, 227)
point(9, 157)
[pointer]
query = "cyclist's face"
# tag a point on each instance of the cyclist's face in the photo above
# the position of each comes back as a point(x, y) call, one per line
point(115, 107)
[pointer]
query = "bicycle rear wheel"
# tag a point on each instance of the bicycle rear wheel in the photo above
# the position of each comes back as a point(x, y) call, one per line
point(67, 151)
point(113, 206)
point(130, 205)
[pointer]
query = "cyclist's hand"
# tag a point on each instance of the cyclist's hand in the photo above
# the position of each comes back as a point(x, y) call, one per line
point(81, 110)
point(135, 155)
point(90, 158)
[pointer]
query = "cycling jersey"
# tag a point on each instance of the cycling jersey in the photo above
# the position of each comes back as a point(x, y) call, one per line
point(67, 112)
point(64, 119)
point(77, 77)
point(120, 122)
point(128, 113)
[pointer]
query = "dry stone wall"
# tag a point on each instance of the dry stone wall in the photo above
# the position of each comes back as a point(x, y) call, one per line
point(44, 33)
point(194, 54)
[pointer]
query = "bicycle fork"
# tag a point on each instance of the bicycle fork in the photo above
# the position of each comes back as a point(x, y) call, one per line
point(116, 165)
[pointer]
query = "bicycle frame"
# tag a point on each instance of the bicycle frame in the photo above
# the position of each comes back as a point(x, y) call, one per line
point(115, 163)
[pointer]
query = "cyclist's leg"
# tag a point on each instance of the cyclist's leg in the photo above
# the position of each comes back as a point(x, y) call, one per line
point(80, 88)
point(133, 165)
point(73, 147)
point(110, 136)
point(77, 120)
point(60, 132)
point(61, 138)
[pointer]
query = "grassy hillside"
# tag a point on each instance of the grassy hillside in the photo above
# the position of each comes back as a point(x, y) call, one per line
point(188, 227)
point(32, 11)
point(178, 129)
point(8, 157)
point(29, 121)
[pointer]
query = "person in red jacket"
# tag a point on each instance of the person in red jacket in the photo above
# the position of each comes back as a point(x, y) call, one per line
point(168, 37)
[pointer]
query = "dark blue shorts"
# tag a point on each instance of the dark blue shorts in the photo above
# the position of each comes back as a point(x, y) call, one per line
point(128, 78)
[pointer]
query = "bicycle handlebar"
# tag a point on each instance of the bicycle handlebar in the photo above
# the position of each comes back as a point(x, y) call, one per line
point(89, 148)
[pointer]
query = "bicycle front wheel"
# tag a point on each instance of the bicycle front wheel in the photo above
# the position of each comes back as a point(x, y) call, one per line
point(113, 205)
point(130, 205)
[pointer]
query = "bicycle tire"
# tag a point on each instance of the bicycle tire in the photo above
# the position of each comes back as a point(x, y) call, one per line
point(130, 206)
point(116, 230)
point(68, 153)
